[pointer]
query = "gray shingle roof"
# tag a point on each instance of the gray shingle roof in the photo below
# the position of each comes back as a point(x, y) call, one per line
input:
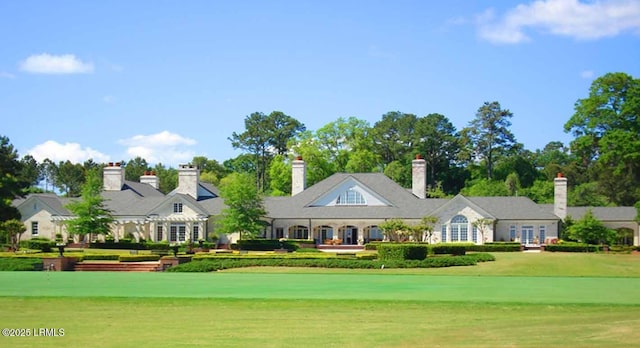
point(604, 213)
point(403, 204)
point(509, 208)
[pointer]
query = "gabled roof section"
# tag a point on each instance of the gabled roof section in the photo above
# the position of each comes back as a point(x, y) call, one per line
point(143, 190)
point(352, 187)
point(179, 198)
point(49, 201)
point(463, 201)
point(400, 202)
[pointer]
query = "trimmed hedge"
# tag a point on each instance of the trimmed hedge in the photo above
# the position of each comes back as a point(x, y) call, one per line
point(265, 244)
point(42, 244)
point(20, 264)
point(572, 247)
point(449, 249)
point(392, 251)
point(138, 258)
point(210, 265)
point(100, 257)
point(496, 247)
point(119, 245)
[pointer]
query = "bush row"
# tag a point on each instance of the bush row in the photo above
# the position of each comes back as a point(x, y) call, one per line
point(100, 257)
point(570, 247)
point(20, 264)
point(138, 258)
point(209, 265)
point(268, 244)
point(42, 244)
point(454, 248)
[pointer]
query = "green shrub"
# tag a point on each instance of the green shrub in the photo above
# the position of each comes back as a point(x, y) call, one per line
point(118, 245)
point(38, 243)
point(402, 251)
point(265, 244)
point(157, 245)
point(138, 258)
point(100, 257)
point(570, 247)
point(495, 247)
point(20, 264)
point(450, 248)
point(308, 250)
point(215, 264)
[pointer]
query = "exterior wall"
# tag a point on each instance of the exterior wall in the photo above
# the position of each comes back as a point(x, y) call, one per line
point(446, 215)
point(503, 229)
point(560, 197)
point(46, 227)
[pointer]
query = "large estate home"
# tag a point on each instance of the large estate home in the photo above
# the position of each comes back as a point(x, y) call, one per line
point(344, 207)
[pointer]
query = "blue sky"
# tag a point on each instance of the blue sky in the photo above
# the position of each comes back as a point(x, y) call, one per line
point(167, 80)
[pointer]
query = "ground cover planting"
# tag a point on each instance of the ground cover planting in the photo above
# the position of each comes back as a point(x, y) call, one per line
point(580, 300)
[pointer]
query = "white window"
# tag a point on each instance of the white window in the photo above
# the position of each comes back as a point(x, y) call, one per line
point(542, 231)
point(299, 232)
point(177, 232)
point(459, 229)
point(443, 233)
point(196, 233)
point(325, 232)
point(512, 233)
point(474, 234)
point(177, 207)
point(159, 233)
point(375, 233)
point(527, 234)
point(351, 197)
point(34, 228)
point(279, 232)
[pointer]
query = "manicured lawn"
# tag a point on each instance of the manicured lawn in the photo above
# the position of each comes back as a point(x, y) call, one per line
point(520, 300)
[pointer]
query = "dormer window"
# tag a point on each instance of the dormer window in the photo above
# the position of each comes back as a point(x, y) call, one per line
point(177, 207)
point(351, 197)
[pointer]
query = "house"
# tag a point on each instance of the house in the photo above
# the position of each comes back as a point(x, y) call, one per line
point(344, 207)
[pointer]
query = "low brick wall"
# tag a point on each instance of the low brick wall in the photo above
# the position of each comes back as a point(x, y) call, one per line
point(59, 263)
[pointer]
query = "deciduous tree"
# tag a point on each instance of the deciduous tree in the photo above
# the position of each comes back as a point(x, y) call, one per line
point(91, 214)
point(244, 211)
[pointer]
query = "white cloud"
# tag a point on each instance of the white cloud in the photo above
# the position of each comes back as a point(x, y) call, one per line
point(50, 64)
point(164, 147)
point(73, 152)
point(6, 75)
point(572, 18)
point(587, 74)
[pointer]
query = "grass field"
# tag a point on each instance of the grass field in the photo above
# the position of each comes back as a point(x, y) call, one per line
point(520, 300)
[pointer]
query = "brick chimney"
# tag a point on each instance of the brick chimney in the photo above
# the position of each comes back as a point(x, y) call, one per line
point(298, 176)
point(560, 196)
point(150, 178)
point(419, 177)
point(113, 177)
point(188, 180)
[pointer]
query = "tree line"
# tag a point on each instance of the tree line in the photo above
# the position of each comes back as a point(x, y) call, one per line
point(482, 159)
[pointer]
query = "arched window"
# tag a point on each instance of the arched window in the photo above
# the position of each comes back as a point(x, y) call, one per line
point(351, 197)
point(459, 229)
point(374, 233)
point(324, 233)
